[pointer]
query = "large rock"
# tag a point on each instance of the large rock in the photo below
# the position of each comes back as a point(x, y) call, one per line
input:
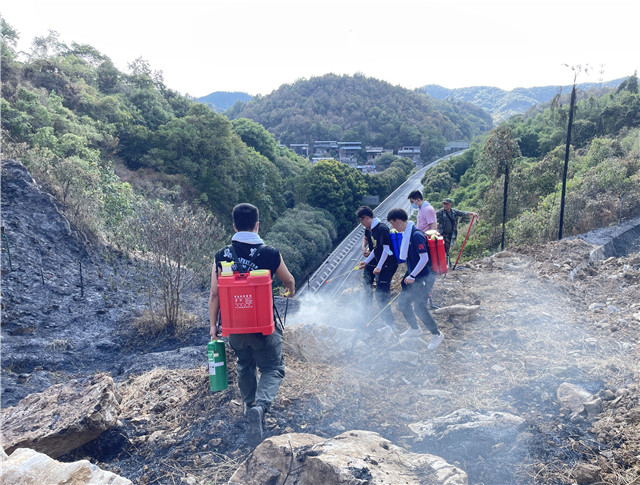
point(572, 397)
point(62, 417)
point(320, 343)
point(28, 467)
point(354, 457)
point(468, 432)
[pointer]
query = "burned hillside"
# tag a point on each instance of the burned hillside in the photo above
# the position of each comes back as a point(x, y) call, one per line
point(535, 382)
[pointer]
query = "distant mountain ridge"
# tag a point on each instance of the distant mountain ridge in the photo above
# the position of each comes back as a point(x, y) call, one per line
point(220, 101)
point(502, 104)
point(362, 109)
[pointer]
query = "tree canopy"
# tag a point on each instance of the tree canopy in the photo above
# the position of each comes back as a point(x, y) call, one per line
point(358, 108)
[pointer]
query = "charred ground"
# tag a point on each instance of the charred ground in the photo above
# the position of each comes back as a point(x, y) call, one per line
point(536, 329)
point(548, 315)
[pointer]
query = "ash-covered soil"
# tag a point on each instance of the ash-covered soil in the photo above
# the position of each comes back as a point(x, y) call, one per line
point(547, 316)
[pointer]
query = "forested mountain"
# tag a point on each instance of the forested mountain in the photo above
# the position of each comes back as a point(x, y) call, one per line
point(603, 183)
point(222, 100)
point(118, 147)
point(502, 104)
point(358, 108)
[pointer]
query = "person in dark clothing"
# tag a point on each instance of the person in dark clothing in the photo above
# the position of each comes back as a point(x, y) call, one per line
point(448, 223)
point(253, 350)
point(418, 280)
point(380, 264)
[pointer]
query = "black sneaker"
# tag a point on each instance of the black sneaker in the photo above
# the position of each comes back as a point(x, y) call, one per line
point(255, 432)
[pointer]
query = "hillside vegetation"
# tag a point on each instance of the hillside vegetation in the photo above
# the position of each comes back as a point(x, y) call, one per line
point(502, 104)
point(603, 180)
point(111, 145)
point(358, 108)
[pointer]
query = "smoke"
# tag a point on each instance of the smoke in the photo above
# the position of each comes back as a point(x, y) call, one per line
point(347, 310)
point(532, 334)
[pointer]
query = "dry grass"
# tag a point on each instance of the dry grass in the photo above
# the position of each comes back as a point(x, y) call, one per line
point(152, 322)
point(60, 345)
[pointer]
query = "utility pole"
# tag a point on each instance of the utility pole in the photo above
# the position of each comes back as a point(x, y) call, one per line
point(566, 157)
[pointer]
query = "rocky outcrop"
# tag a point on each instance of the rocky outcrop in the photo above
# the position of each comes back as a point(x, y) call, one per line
point(469, 432)
point(28, 467)
point(617, 241)
point(354, 457)
point(572, 397)
point(62, 418)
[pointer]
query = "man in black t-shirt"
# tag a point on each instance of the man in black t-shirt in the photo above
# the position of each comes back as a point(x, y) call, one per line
point(418, 280)
point(380, 264)
point(253, 350)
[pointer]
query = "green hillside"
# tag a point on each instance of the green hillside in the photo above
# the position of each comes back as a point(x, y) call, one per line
point(358, 108)
point(502, 104)
point(222, 100)
point(603, 183)
point(118, 148)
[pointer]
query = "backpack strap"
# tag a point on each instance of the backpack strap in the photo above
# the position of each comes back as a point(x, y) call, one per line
point(238, 264)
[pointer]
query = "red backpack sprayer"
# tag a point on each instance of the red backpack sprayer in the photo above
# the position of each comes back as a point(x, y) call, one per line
point(246, 306)
point(435, 244)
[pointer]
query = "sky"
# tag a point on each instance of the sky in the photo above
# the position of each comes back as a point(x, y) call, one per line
point(255, 46)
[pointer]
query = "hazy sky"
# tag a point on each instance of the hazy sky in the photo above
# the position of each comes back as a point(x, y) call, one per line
point(257, 45)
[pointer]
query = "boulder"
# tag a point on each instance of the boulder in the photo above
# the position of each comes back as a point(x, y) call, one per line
point(585, 473)
point(353, 457)
point(469, 433)
point(320, 343)
point(61, 418)
point(457, 310)
point(572, 397)
point(28, 467)
point(458, 313)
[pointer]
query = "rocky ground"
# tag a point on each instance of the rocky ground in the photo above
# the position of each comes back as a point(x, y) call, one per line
point(537, 380)
point(538, 329)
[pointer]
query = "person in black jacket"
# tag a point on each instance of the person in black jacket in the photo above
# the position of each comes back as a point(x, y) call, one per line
point(380, 264)
point(253, 350)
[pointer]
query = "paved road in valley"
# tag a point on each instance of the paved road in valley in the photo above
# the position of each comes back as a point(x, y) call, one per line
point(336, 269)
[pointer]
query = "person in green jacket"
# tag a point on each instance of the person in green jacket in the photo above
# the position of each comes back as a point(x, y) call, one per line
point(448, 223)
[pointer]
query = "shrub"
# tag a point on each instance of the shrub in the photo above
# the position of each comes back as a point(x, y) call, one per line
point(176, 244)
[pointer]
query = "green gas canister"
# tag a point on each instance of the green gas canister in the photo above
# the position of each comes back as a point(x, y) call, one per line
point(217, 365)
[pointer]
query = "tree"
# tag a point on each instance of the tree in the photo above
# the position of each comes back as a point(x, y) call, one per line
point(255, 136)
point(502, 150)
point(177, 242)
point(337, 188)
point(304, 235)
point(432, 144)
